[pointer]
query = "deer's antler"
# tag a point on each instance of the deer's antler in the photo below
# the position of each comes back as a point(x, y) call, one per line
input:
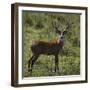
point(56, 27)
point(68, 27)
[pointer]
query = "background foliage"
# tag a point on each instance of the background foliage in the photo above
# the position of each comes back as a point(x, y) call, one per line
point(38, 26)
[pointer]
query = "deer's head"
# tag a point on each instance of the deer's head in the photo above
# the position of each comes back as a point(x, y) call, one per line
point(63, 32)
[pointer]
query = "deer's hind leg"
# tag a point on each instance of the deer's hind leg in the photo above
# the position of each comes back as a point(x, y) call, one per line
point(31, 63)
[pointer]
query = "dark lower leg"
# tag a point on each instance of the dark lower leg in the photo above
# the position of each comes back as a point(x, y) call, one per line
point(32, 63)
point(29, 62)
point(56, 63)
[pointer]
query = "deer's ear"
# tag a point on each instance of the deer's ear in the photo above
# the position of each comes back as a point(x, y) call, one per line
point(64, 32)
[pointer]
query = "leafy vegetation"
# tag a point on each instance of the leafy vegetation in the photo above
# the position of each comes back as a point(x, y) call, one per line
point(38, 26)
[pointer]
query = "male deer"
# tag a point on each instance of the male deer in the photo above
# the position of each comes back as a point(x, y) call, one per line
point(47, 48)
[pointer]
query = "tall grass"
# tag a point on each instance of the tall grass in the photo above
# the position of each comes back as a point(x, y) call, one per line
point(69, 59)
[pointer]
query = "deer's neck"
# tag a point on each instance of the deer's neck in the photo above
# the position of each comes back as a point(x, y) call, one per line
point(61, 41)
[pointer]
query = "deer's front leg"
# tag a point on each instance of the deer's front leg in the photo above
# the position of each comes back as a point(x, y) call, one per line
point(56, 63)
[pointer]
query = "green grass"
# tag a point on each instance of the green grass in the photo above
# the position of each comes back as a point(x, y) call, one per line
point(41, 26)
point(69, 61)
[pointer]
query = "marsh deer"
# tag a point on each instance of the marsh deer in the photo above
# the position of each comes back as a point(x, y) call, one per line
point(47, 48)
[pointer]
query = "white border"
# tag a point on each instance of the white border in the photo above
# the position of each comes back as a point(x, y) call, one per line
point(54, 78)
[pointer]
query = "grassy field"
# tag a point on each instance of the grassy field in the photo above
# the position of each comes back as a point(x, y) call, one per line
point(69, 59)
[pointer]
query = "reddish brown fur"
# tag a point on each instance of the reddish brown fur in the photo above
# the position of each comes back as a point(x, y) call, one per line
point(48, 48)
